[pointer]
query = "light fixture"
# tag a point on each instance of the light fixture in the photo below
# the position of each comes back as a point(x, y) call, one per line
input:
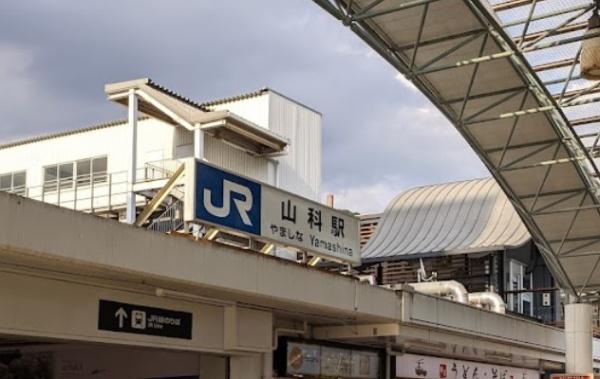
point(590, 48)
point(314, 261)
point(211, 234)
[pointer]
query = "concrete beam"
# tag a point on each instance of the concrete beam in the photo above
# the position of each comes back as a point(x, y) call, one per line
point(356, 331)
point(45, 236)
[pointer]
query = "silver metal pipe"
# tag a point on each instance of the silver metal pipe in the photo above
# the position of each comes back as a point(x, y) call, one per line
point(447, 288)
point(490, 299)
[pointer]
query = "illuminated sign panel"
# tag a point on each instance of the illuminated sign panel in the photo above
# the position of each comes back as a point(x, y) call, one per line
point(315, 360)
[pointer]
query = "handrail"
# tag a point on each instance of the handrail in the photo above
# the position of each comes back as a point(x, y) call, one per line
point(160, 196)
point(101, 191)
point(170, 220)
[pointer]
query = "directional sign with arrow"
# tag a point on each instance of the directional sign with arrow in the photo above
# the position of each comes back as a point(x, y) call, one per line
point(140, 319)
point(121, 315)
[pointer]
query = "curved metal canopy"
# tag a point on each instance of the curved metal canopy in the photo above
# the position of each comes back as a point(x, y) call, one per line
point(480, 73)
point(452, 218)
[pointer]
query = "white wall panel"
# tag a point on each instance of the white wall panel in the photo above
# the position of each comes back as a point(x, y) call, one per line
point(300, 169)
point(155, 139)
point(236, 160)
point(253, 109)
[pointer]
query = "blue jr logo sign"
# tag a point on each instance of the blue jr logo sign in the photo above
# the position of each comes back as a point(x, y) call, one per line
point(227, 200)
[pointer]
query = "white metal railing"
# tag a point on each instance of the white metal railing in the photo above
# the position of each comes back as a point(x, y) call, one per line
point(170, 220)
point(96, 192)
point(156, 170)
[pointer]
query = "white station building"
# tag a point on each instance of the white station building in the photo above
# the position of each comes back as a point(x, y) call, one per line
point(263, 135)
point(83, 296)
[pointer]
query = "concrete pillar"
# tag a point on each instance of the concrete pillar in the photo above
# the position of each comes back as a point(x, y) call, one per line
point(132, 116)
point(213, 366)
point(246, 367)
point(198, 143)
point(578, 336)
point(267, 365)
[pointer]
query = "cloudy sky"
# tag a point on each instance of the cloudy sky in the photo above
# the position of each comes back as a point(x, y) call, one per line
point(380, 135)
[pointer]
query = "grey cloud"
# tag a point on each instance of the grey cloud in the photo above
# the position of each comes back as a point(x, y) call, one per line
point(208, 49)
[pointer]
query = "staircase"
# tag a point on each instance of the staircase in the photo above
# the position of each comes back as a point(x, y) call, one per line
point(170, 220)
point(164, 211)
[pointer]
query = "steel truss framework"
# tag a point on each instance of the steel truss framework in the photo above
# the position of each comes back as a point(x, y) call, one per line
point(480, 69)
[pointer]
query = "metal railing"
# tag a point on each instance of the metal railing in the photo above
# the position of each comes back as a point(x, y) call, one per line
point(156, 170)
point(89, 193)
point(97, 192)
point(170, 220)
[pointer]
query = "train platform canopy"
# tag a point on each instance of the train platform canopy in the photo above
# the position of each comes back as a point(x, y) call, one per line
point(478, 62)
point(453, 218)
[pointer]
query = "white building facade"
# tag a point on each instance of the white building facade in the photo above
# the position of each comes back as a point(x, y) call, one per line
point(95, 169)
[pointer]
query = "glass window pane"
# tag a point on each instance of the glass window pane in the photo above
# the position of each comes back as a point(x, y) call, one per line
point(50, 174)
point(526, 282)
point(99, 166)
point(5, 182)
point(50, 178)
point(65, 173)
point(19, 180)
point(84, 172)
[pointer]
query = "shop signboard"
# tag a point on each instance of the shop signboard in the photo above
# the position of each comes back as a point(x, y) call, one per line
point(425, 367)
point(572, 376)
point(330, 361)
point(336, 362)
point(224, 199)
point(303, 359)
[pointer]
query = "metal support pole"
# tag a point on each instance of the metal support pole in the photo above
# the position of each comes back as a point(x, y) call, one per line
point(198, 143)
point(92, 197)
point(132, 134)
point(578, 338)
point(526, 27)
point(553, 30)
point(75, 195)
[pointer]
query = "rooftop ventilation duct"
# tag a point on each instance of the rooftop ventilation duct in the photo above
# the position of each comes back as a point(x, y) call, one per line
point(447, 288)
point(488, 299)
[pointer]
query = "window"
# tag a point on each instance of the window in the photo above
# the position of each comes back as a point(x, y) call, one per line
point(50, 178)
point(65, 175)
point(80, 173)
point(99, 169)
point(520, 299)
point(84, 172)
point(13, 182)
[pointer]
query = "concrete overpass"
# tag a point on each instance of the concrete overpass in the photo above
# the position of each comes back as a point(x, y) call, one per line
point(57, 264)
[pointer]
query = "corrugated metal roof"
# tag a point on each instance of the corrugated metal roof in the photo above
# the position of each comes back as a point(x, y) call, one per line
point(175, 95)
point(65, 133)
point(461, 217)
point(231, 99)
point(249, 95)
point(201, 106)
